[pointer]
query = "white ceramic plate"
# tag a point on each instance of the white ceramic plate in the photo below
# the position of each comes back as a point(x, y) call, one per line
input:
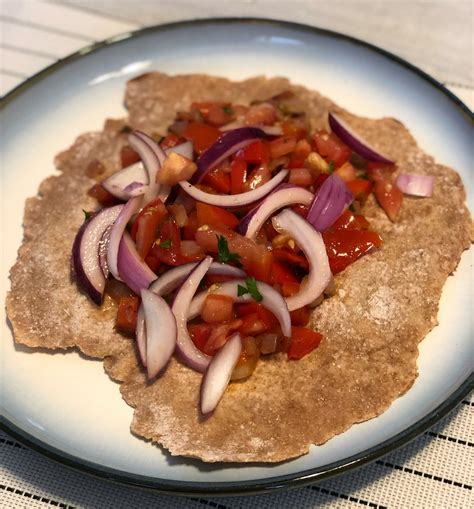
point(62, 403)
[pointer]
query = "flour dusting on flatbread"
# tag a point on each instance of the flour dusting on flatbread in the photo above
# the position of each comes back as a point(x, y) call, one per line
point(384, 305)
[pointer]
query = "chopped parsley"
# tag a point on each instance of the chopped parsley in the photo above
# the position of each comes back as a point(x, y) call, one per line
point(223, 253)
point(87, 215)
point(331, 166)
point(228, 110)
point(250, 288)
point(166, 244)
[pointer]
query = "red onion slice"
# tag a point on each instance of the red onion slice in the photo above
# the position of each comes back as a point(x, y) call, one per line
point(173, 278)
point(329, 203)
point(312, 245)
point(357, 143)
point(415, 185)
point(140, 334)
point(160, 326)
point(155, 147)
point(187, 351)
point(133, 271)
point(185, 149)
point(147, 151)
point(272, 300)
point(165, 191)
point(103, 247)
point(235, 200)
point(217, 376)
point(229, 143)
point(86, 252)
point(130, 208)
point(126, 183)
point(285, 194)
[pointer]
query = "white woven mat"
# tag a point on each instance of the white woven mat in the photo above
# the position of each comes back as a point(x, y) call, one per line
point(435, 470)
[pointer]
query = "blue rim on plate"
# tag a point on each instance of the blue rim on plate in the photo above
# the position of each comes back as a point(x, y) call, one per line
point(269, 484)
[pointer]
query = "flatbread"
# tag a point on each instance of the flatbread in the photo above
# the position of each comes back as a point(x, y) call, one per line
point(385, 303)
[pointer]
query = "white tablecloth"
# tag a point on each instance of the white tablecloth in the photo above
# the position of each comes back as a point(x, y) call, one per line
point(435, 470)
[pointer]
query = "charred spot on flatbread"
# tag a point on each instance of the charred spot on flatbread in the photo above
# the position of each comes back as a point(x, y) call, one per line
point(385, 303)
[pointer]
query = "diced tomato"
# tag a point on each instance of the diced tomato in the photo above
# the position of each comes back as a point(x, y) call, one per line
point(212, 279)
point(281, 273)
point(360, 188)
point(294, 128)
point(296, 162)
point(127, 314)
point(302, 149)
point(170, 141)
point(238, 175)
point(290, 288)
point(251, 308)
point(200, 333)
point(191, 250)
point(144, 229)
point(303, 341)
point(169, 237)
point(300, 316)
point(320, 179)
point(332, 148)
point(349, 220)
point(301, 177)
point(256, 153)
point(345, 246)
point(289, 256)
point(269, 230)
point(256, 259)
point(282, 146)
point(215, 113)
point(102, 195)
point(217, 308)
point(261, 265)
point(189, 230)
point(217, 216)
point(301, 210)
point(389, 197)
point(259, 176)
point(128, 156)
point(252, 325)
point(219, 180)
point(346, 172)
point(202, 135)
point(261, 114)
point(219, 334)
point(299, 155)
point(153, 262)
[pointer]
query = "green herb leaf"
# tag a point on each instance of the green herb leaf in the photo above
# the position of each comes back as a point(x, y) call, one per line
point(166, 244)
point(87, 215)
point(228, 110)
point(331, 166)
point(223, 253)
point(241, 290)
point(251, 289)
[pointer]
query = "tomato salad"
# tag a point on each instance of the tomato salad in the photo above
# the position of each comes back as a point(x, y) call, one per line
point(217, 240)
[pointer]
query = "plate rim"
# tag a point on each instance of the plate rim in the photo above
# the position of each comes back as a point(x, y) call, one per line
point(269, 484)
